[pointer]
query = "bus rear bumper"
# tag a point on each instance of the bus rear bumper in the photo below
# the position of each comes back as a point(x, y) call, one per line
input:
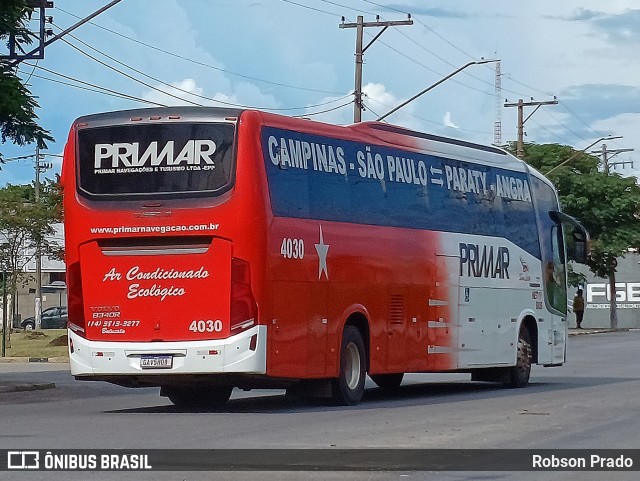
point(234, 355)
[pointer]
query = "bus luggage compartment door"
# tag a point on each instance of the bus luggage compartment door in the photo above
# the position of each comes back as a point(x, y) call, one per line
point(146, 292)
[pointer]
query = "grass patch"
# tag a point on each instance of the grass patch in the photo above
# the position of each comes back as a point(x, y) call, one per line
point(37, 343)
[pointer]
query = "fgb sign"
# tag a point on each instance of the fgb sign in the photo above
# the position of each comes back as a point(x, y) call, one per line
point(625, 292)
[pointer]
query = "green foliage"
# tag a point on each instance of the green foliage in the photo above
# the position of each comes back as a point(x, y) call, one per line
point(607, 205)
point(13, 17)
point(24, 223)
point(18, 120)
point(575, 279)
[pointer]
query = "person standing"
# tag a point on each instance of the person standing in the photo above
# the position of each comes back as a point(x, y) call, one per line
point(578, 308)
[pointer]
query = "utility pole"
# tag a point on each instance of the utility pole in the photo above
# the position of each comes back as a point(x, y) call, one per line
point(38, 52)
point(521, 120)
point(604, 153)
point(360, 25)
point(577, 153)
point(16, 52)
point(613, 311)
point(40, 168)
point(38, 314)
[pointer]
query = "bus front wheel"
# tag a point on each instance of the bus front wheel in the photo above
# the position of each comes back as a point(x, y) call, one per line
point(348, 388)
point(519, 374)
point(200, 398)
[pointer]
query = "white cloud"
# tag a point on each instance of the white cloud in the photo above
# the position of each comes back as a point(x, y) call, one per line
point(382, 101)
point(166, 95)
point(448, 122)
point(186, 92)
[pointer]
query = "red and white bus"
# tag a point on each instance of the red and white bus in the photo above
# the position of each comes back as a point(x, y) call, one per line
point(213, 248)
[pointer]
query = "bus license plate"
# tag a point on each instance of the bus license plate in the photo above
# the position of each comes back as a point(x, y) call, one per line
point(156, 362)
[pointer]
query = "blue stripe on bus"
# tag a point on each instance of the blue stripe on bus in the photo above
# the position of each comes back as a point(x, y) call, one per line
point(317, 177)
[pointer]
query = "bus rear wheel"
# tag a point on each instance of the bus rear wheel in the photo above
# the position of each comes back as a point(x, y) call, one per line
point(519, 374)
point(348, 388)
point(388, 382)
point(200, 397)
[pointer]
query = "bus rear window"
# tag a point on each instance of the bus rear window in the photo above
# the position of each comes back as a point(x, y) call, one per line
point(148, 161)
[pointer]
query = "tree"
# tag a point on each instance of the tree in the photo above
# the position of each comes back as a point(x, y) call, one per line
point(24, 223)
point(18, 120)
point(607, 205)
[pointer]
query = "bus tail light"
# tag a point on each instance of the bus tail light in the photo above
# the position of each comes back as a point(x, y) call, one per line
point(244, 310)
point(76, 320)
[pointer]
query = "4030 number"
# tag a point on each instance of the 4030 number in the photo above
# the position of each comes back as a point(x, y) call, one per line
point(292, 248)
point(206, 326)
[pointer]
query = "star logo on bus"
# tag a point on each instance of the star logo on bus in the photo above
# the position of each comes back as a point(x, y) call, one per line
point(322, 249)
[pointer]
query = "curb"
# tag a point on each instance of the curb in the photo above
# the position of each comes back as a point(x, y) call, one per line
point(12, 360)
point(594, 330)
point(17, 386)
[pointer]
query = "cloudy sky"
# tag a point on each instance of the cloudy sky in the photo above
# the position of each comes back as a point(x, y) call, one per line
point(290, 56)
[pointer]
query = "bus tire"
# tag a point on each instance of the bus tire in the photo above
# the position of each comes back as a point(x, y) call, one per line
point(388, 382)
point(348, 388)
point(519, 374)
point(200, 398)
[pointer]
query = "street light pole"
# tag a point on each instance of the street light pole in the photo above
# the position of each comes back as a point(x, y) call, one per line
point(475, 62)
point(609, 137)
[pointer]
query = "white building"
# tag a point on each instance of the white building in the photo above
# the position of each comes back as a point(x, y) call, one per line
point(54, 291)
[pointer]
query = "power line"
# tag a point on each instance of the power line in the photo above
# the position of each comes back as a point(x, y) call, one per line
point(388, 7)
point(419, 45)
point(417, 20)
point(310, 8)
point(563, 140)
point(464, 52)
point(411, 59)
point(416, 43)
point(96, 90)
point(114, 92)
point(371, 110)
point(130, 77)
point(345, 6)
point(566, 107)
point(322, 111)
point(575, 134)
point(434, 122)
point(202, 64)
point(194, 93)
point(432, 70)
point(360, 25)
point(183, 90)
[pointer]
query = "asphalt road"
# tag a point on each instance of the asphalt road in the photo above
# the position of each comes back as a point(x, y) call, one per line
point(589, 403)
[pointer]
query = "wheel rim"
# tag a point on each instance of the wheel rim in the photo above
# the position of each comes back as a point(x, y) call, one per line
point(524, 357)
point(29, 327)
point(352, 366)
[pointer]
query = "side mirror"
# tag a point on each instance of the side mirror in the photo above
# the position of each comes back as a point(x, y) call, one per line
point(580, 253)
point(581, 240)
point(580, 246)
